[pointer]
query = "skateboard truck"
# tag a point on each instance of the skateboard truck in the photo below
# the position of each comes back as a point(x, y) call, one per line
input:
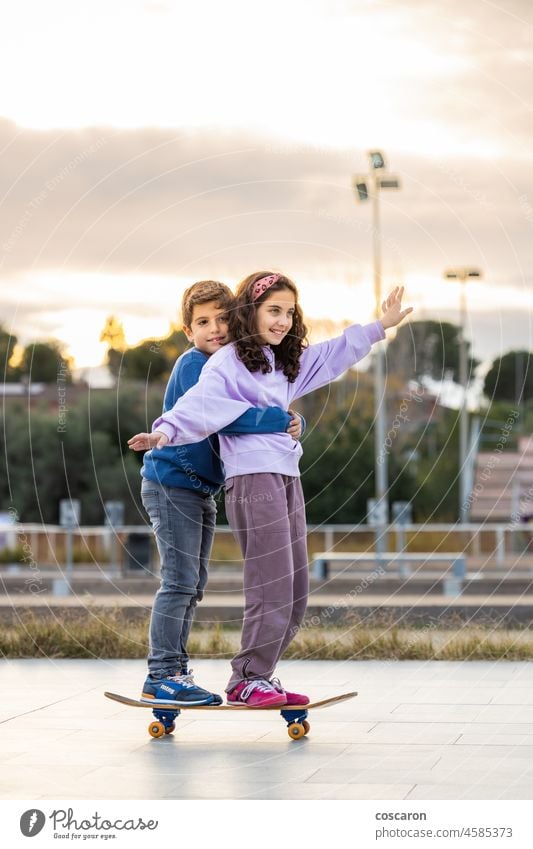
point(165, 723)
point(297, 724)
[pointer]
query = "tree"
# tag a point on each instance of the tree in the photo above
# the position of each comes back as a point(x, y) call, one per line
point(113, 334)
point(428, 349)
point(146, 362)
point(7, 346)
point(87, 459)
point(437, 469)
point(46, 362)
point(127, 410)
point(149, 361)
point(510, 378)
point(338, 469)
point(174, 345)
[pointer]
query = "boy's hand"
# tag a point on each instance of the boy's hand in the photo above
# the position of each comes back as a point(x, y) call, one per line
point(392, 308)
point(295, 425)
point(144, 441)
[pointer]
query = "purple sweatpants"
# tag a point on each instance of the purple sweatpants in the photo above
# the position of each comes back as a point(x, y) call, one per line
point(267, 515)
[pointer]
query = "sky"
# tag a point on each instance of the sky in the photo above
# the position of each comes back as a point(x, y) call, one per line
point(146, 145)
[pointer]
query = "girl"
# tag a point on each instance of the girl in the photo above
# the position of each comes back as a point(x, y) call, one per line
point(269, 363)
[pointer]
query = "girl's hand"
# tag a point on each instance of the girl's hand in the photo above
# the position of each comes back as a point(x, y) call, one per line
point(144, 441)
point(295, 425)
point(392, 308)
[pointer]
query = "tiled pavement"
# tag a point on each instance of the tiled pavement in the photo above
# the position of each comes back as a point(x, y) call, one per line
point(418, 730)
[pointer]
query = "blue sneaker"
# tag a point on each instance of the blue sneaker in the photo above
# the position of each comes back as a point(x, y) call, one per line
point(177, 689)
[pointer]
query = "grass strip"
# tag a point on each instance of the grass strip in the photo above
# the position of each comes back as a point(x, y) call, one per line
point(104, 633)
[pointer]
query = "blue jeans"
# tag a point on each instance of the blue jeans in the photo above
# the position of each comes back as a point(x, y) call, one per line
point(183, 522)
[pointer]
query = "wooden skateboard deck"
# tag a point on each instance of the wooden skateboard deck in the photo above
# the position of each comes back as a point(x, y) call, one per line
point(124, 700)
point(294, 715)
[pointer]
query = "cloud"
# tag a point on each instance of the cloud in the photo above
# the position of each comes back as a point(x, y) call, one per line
point(158, 201)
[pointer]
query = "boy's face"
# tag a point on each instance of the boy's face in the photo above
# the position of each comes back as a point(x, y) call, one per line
point(209, 327)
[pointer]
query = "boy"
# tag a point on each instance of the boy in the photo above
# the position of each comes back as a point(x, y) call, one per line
point(178, 485)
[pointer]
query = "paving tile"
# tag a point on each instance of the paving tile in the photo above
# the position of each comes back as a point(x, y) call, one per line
point(452, 696)
point(483, 770)
point(420, 775)
point(505, 713)
point(209, 730)
point(501, 769)
point(466, 791)
point(513, 696)
point(108, 784)
point(435, 713)
point(489, 729)
point(354, 759)
point(328, 732)
point(86, 753)
point(252, 790)
point(221, 772)
point(389, 749)
point(479, 750)
point(374, 775)
point(371, 711)
point(27, 782)
point(470, 738)
point(415, 733)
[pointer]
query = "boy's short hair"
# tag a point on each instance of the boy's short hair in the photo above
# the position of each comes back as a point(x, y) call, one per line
point(203, 292)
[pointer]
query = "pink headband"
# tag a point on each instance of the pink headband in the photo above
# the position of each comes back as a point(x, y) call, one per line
point(263, 284)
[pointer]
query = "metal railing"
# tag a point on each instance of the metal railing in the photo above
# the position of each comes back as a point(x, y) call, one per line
point(34, 542)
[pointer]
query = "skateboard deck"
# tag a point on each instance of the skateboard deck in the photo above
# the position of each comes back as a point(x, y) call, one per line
point(166, 713)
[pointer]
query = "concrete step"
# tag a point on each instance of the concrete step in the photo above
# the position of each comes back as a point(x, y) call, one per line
point(371, 610)
point(420, 583)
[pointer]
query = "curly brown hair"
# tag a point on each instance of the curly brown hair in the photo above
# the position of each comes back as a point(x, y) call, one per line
point(202, 293)
point(243, 328)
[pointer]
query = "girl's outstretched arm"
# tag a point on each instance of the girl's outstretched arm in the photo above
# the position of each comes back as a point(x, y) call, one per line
point(322, 363)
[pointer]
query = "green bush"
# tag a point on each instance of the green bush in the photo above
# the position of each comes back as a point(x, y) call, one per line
point(12, 555)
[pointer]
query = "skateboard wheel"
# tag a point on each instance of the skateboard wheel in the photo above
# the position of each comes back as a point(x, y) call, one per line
point(296, 730)
point(170, 728)
point(156, 729)
point(307, 726)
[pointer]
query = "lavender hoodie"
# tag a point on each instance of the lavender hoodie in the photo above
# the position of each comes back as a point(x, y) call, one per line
point(226, 389)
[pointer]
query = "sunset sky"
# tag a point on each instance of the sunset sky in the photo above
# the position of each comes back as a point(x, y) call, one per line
point(147, 145)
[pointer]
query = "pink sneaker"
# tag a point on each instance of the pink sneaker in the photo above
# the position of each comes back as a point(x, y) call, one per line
point(257, 692)
point(292, 698)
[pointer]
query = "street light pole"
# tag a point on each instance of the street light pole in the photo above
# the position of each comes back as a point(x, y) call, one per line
point(370, 185)
point(380, 404)
point(463, 416)
point(463, 274)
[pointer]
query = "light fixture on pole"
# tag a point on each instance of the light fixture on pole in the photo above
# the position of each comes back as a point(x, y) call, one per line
point(368, 186)
point(463, 274)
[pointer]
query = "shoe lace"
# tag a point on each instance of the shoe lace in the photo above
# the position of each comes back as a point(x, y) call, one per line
point(260, 684)
point(186, 680)
point(276, 683)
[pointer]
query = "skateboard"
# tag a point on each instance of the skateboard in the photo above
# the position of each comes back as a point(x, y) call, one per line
point(165, 714)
